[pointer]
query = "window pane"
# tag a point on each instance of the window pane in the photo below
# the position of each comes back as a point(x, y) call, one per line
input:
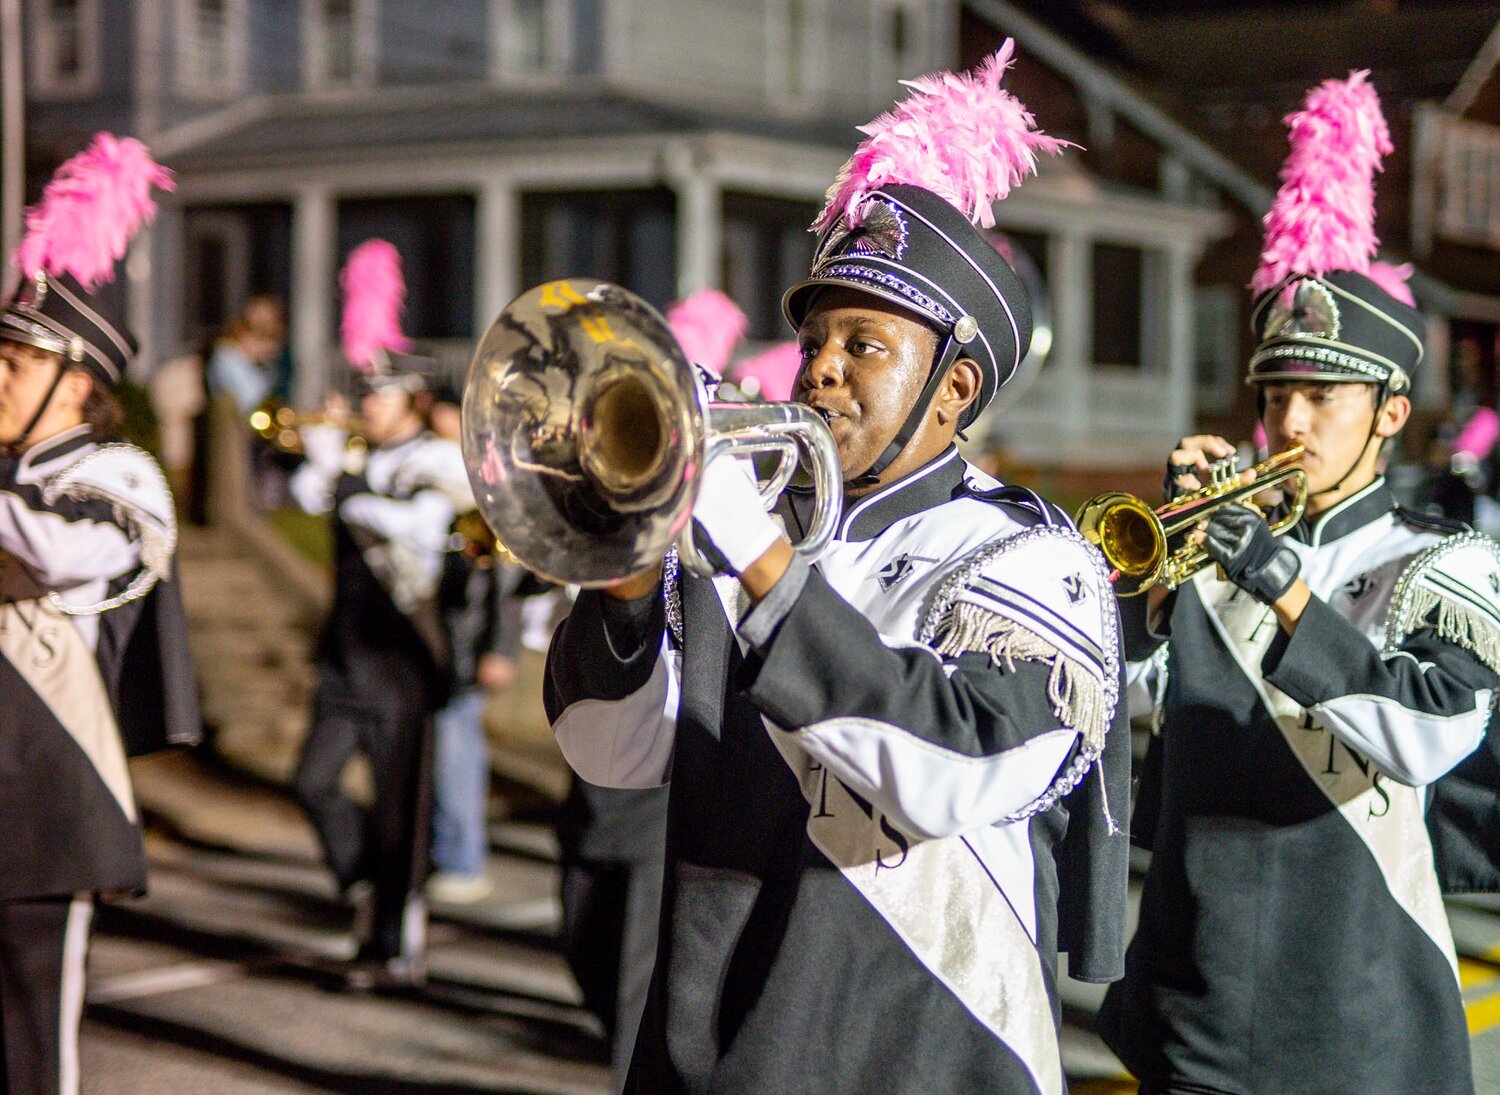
point(1118, 293)
point(209, 43)
point(625, 236)
point(338, 41)
point(63, 41)
point(530, 48)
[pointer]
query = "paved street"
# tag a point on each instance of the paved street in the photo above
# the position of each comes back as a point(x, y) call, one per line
point(224, 979)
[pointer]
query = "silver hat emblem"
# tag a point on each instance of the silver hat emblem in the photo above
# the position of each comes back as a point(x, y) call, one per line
point(1304, 309)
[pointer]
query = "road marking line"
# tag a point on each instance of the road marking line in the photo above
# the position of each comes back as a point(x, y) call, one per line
point(1474, 974)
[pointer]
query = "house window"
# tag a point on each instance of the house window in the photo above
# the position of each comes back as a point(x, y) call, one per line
point(766, 248)
point(625, 236)
point(211, 46)
point(1470, 208)
point(795, 29)
point(899, 45)
point(1128, 297)
point(530, 36)
point(340, 42)
point(65, 51)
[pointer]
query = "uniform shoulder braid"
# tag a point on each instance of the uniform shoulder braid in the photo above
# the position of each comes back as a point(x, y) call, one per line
point(132, 483)
point(1024, 504)
point(1454, 588)
point(1430, 522)
point(1042, 595)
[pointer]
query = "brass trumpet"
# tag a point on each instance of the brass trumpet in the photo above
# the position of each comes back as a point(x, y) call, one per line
point(1145, 546)
point(282, 426)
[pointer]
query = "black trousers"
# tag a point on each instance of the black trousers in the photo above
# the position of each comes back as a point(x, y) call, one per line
point(43, 944)
point(386, 844)
point(611, 916)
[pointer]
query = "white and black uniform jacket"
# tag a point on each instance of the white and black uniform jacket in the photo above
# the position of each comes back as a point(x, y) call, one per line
point(1292, 934)
point(867, 804)
point(383, 647)
point(87, 533)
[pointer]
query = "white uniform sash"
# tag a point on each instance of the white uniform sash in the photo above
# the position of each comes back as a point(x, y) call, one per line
point(1387, 816)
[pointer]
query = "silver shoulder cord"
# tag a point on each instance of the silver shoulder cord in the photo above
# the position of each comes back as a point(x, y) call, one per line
point(149, 575)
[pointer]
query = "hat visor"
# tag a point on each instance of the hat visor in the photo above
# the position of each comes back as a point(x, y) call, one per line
point(16, 328)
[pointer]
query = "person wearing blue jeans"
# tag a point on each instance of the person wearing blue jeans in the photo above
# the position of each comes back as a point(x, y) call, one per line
point(481, 615)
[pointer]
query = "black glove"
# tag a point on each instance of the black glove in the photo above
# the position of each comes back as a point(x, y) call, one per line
point(1240, 541)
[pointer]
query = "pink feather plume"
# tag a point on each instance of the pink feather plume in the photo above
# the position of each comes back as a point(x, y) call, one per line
point(91, 210)
point(958, 134)
point(1323, 217)
point(774, 371)
point(708, 325)
point(374, 294)
point(1479, 434)
point(1393, 280)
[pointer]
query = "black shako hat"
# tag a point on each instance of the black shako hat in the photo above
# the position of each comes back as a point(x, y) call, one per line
point(53, 312)
point(915, 249)
point(1340, 327)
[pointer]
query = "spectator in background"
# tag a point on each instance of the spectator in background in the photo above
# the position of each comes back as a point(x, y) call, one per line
point(239, 366)
point(483, 622)
point(266, 316)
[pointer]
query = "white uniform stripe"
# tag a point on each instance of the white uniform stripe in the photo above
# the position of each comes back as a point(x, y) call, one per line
point(70, 1006)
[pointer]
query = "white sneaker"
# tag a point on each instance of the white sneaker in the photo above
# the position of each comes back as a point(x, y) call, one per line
point(451, 888)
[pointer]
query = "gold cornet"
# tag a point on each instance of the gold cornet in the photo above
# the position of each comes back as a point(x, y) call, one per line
point(1145, 546)
point(281, 426)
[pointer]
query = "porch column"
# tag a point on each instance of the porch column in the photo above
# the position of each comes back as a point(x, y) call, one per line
point(1181, 305)
point(1072, 344)
point(314, 229)
point(499, 252)
point(700, 222)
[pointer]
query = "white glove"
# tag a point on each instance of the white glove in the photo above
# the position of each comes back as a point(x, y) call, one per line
point(324, 446)
point(730, 515)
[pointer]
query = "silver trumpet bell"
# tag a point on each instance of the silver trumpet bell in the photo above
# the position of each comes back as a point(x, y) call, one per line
point(586, 432)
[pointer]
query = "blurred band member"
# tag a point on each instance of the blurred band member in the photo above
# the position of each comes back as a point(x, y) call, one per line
point(93, 648)
point(382, 657)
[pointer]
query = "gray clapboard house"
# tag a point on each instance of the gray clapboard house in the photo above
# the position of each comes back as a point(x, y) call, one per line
point(666, 144)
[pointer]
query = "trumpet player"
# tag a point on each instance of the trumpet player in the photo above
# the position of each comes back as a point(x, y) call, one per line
point(1292, 934)
point(873, 759)
point(382, 657)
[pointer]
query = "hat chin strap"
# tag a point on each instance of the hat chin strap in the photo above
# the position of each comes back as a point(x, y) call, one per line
point(947, 354)
point(25, 435)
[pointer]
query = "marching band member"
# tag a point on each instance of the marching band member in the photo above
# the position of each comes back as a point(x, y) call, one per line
point(873, 760)
point(382, 657)
point(93, 644)
point(1292, 933)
